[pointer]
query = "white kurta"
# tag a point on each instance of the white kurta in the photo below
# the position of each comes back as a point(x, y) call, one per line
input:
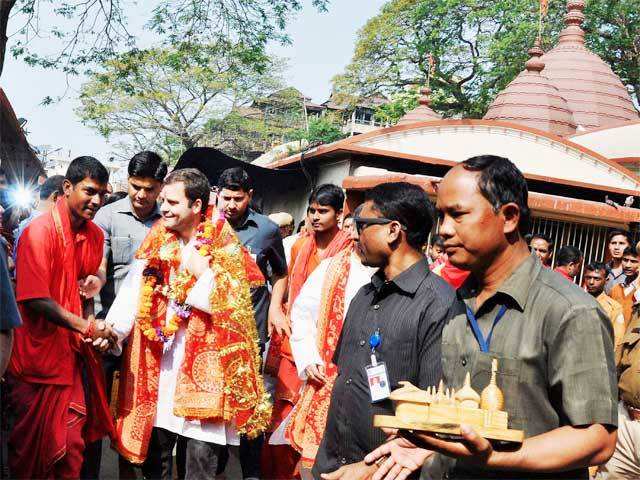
point(122, 314)
point(304, 323)
point(306, 308)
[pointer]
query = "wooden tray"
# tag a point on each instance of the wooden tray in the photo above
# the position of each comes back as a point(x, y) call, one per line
point(449, 429)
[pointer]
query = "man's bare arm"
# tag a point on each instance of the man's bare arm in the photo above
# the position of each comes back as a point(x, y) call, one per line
point(54, 312)
point(277, 317)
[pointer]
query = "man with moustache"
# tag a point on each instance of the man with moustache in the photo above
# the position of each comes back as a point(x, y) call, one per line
point(553, 343)
point(541, 245)
point(595, 278)
point(261, 237)
point(392, 330)
point(619, 240)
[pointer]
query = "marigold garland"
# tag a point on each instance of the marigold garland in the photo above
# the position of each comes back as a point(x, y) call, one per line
point(154, 281)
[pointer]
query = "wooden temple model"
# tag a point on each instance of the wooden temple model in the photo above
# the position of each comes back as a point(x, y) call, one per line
point(442, 410)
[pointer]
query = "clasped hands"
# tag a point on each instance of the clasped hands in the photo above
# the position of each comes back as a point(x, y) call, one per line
point(102, 337)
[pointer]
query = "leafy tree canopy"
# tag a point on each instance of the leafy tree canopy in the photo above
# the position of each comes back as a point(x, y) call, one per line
point(165, 98)
point(479, 46)
point(87, 32)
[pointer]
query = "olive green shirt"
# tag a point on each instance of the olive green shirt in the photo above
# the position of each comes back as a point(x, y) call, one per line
point(555, 353)
point(629, 363)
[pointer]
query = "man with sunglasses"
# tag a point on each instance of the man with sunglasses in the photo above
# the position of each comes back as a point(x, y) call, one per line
point(552, 341)
point(392, 329)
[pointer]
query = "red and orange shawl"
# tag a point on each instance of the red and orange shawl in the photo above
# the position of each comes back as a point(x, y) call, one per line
point(52, 257)
point(220, 377)
point(280, 363)
point(309, 418)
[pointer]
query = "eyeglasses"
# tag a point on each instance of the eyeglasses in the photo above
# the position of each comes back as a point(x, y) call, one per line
point(363, 222)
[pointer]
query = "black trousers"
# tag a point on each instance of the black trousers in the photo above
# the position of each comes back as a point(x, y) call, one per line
point(201, 457)
point(250, 453)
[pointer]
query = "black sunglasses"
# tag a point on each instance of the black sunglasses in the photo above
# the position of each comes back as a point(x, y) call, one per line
point(363, 222)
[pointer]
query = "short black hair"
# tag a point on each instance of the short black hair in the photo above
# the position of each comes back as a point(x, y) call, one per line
point(630, 251)
point(50, 186)
point(196, 185)
point(437, 240)
point(114, 197)
point(147, 164)
point(568, 254)
point(596, 266)
point(357, 210)
point(347, 217)
point(616, 232)
point(541, 236)
point(328, 195)
point(300, 225)
point(409, 205)
point(500, 182)
point(235, 179)
point(87, 167)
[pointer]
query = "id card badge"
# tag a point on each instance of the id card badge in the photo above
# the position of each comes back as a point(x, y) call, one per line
point(378, 382)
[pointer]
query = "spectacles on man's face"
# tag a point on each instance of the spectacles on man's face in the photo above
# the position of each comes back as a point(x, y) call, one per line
point(363, 222)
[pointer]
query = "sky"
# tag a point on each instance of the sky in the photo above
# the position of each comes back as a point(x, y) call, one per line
point(322, 45)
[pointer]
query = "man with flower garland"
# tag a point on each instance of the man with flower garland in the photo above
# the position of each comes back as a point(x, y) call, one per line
point(191, 366)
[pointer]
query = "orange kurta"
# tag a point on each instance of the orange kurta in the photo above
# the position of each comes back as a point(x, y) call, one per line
point(626, 300)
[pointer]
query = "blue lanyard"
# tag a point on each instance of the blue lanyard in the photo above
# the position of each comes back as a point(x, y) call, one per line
point(485, 344)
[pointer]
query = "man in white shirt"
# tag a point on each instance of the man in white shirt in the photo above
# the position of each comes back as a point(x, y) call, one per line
point(191, 368)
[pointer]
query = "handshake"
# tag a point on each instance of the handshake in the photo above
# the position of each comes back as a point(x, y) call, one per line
point(100, 334)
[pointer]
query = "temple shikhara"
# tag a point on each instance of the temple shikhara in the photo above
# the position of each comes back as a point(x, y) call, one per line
point(566, 121)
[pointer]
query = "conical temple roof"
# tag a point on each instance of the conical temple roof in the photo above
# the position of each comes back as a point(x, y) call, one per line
point(595, 95)
point(422, 113)
point(532, 100)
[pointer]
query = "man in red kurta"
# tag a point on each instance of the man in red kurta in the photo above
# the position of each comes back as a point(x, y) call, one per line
point(58, 256)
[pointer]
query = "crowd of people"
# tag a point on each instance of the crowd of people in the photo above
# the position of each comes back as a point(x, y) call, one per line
point(178, 321)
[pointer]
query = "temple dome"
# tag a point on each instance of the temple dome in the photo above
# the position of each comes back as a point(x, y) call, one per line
point(532, 100)
point(595, 95)
point(422, 113)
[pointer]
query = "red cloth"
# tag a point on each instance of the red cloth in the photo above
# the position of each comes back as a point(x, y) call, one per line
point(62, 447)
point(563, 273)
point(451, 274)
point(51, 259)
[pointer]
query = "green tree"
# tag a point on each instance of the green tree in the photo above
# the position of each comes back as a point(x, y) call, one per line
point(324, 129)
point(162, 98)
point(249, 131)
point(401, 103)
point(86, 32)
point(479, 46)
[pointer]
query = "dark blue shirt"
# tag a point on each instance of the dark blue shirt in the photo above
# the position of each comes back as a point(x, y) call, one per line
point(262, 238)
point(9, 316)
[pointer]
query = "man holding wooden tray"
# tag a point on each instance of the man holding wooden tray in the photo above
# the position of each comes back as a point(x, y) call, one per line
point(553, 344)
